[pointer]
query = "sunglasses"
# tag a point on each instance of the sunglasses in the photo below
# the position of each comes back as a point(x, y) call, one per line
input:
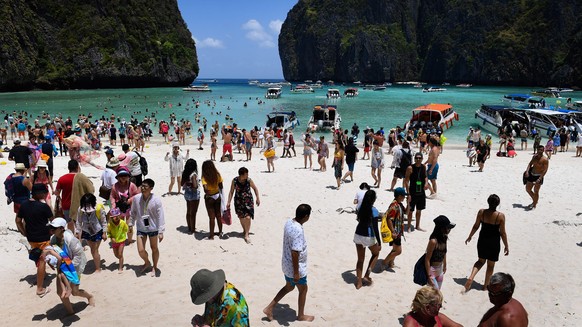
point(418, 158)
point(491, 293)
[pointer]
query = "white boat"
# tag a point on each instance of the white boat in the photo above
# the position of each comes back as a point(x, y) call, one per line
point(426, 116)
point(268, 85)
point(333, 94)
point(197, 88)
point(545, 120)
point(254, 82)
point(282, 119)
point(302, 88)
point(351, 92)
point(374, 87)
point(317, 85)
point(433, 89)
point(464, 85)
point(492, 116)
point(273, 93)
point(357, 83)
point(517, 100)
point(547, 93)
point(324, 118)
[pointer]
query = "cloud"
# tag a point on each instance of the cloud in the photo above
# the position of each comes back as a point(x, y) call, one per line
point(275, 26)
point(256, 33)
point(209, 43)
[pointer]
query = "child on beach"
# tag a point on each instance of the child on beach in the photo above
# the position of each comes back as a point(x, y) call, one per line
point(66, 273)
point(117, 232)
point(471, 154)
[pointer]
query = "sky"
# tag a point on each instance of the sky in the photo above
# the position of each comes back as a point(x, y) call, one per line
point(236, 38)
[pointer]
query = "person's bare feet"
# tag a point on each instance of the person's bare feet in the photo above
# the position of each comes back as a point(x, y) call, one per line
point(367, 281)
point(247, 240)
point(305, 318)
point(91, 300)
point(269, 313)
point(358, 284)
point(468, 285)
point(420, 229)
point(145, 268)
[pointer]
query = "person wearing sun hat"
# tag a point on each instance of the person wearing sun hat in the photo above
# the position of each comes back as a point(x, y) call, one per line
point(121, 197)
point(224, 304)
point(436, 251)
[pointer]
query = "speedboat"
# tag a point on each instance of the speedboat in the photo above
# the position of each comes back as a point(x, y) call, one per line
point(374, 87)
point(254, 82)
point(493, 116)
point(547, 93)
point(197, 88)
point(317, 85)
point(441, 114)
point(324, 118)
point(517, 100)
point(282, 119)
point(273, 93)
point(302, 88)
point(464, 85)
point(351, 92)
point(333, 94)
point(433, 89)
point(268, 85)
point(546, 120)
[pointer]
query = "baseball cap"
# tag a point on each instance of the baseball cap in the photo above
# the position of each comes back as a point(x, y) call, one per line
point(443, 221)
point(109, 151)
point(16, 141)
point(123, 172)
point(58, 222)
point(400, 191)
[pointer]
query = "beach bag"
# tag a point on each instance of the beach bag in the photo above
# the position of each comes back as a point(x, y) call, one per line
point(385, 231)
point(104, 192)
point(9, 189)
point(143, 164)
point(419, 275)
point(226, 217)
point(269, 153)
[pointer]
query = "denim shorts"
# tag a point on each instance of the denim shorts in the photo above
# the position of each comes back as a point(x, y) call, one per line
point(150, 234)
point(93, 238)
point(301, 281)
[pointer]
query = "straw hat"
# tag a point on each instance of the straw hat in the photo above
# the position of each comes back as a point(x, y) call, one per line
point(19, 166)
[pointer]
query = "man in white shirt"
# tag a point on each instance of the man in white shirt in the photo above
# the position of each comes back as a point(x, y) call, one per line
point(147, 214)
point(294, 263)
point(131, 161)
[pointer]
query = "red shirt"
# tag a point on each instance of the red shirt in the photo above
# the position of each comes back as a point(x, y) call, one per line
point(65, 184)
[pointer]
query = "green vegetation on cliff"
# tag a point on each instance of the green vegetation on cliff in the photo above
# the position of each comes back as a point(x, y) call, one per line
point(94, 44)
point(486, 42)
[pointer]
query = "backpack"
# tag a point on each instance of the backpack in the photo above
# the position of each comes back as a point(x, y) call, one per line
point(9, 189)
point(143, 164)
point(405, 159)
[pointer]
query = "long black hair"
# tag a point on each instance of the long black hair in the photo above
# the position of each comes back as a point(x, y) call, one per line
point(439, 233)
point(190, 167)
point(365, 211)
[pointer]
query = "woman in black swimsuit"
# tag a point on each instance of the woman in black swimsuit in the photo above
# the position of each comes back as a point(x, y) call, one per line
point(436, 251)
point(488, 247)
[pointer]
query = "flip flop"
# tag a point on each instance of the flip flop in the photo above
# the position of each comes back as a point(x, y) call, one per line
point(46, 291)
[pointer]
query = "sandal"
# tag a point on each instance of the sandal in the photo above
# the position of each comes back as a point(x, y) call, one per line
point(45, 292)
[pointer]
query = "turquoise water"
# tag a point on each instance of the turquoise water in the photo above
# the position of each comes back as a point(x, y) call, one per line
point(376, 109)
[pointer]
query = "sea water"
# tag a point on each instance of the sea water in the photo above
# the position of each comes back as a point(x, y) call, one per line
point(388, 108)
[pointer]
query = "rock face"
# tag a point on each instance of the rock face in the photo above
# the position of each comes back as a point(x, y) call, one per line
point(493, 42)
point(54, 44)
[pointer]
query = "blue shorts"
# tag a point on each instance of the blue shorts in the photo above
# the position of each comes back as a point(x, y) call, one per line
point(302, 281)
point(435, 172)
point(150, 234)
point(93, 238)
point(351, 166)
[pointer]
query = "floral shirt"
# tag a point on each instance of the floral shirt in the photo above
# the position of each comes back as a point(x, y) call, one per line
point(231, 310)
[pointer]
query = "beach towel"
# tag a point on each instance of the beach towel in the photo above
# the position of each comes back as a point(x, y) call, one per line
point(67, 267)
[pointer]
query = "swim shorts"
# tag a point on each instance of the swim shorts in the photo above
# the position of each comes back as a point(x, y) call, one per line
point(435, 171)
point(301, 281)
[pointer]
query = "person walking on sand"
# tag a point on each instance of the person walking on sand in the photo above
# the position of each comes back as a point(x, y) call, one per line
point(482, 154)
point(243, 200)
point(415, 183)
point(506, 310)
point(64, 239)
point(492, 230)
point(308, 146)
point(176, 159)
point(294, 263)
point(377, 164)
point(432, 165)
point(91, 226)
point(351, 156)
point(367, 235)
point(322, 153)
point(338, 162)
point(248, 144)
point(534, 175)
point(435, 262)
point(395, 220)
point(117, 233)
point(191, 193)
point(212, 184)
point(147, 213)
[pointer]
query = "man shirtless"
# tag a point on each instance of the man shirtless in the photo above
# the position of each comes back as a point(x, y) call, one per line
point(534, 175)
point(432, 165)
point(248, 144)
point(506, 311)
point(227, 146)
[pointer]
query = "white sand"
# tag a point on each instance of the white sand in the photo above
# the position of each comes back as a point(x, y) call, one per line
point(544, 256)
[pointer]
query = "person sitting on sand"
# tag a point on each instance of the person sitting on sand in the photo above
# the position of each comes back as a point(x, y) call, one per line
point(506, 310)
point(294, 263)
point(224, 305)
point(425, 310)
point(367, 235)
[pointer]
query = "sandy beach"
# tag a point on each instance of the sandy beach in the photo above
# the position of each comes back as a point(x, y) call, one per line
point(544, 253)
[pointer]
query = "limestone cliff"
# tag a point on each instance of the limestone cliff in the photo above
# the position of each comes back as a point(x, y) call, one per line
point(521, 42)
point(55, 44)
